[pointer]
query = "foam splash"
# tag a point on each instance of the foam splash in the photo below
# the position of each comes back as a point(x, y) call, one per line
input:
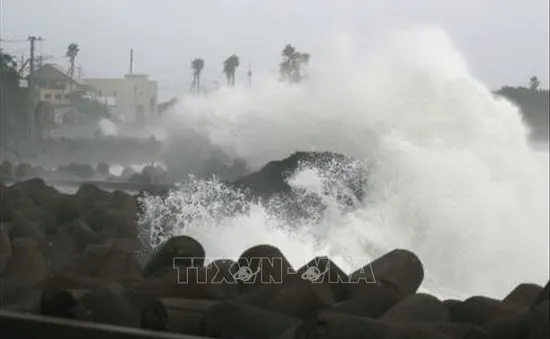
point(451, 175)
point(107, 127)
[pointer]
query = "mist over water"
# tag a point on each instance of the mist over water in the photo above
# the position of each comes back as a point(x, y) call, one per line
point(451, 174)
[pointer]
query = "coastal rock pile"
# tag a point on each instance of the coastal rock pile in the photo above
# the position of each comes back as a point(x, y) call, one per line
point(77, 172)
point(70, 260)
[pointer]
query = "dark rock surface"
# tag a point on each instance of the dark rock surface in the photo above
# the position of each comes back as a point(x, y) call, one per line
point(74, 257)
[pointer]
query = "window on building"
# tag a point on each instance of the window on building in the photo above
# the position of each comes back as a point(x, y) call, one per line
point(58, 96)
point(47, 96)
point(66, 96)
point(114, 93)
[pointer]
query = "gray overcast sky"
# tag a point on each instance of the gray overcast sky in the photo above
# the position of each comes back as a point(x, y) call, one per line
point(505, 41)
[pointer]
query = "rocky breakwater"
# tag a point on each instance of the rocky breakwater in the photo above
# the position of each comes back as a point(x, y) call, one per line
point(69, 268)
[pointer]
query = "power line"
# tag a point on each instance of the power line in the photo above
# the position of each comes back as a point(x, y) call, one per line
point(14, 40)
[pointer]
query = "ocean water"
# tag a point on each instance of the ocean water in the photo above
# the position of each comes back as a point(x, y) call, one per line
point(451, 174)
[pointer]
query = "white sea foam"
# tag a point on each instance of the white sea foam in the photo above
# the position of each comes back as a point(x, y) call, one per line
point(451, 175)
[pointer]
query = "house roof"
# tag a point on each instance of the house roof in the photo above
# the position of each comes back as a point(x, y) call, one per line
point(53, 71)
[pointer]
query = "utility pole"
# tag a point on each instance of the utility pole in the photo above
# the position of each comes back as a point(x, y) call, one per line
point(249, 74)
point(131, 60)
point(31, 87)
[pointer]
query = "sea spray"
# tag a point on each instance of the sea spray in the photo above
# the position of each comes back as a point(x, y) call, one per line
point(451, 175)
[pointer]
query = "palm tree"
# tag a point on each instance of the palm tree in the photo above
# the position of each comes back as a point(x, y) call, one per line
point(291, 66)
point(229, 67)
point(197, 65)
point(534, 83)
point(72, 52)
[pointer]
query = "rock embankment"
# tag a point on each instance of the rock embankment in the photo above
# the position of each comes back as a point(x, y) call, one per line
point(69, 269)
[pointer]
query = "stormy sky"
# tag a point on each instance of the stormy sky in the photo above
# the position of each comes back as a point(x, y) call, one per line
point(504, 41)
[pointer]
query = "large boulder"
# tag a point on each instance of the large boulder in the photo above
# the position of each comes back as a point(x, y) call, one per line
point(124, 202)
point(5, 247)
point(100, 218)
point(57, 303)
point(272, 178)
point(342, 179)
point(62, 250)
point(82, 233)
point(119, 263)
point(108, 306)
point(90, 193)
point(39, 192)
point(31, 230)
point(67, 208)
point(26, 265)
point(182, 247)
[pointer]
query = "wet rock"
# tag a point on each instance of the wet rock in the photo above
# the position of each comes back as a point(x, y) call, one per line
point(16, 197)
point(18, 297)
point(543, 295)
point(372, 303)
point(272, 178)
point(322, 269)
point(107, 306)
point(538, 321)
point(261, 265)
point(479, 310)
point(154, 316)
point(187, 316)
point(524, 294)
point(399, 269)
point(31, 230)
point(123, 201)
point(100, 218)
point(182, 282)
point(57, 303)
point(299, 297)
point(83, 234)
point(7, 210)
point(92, 258)
point(221, 274)
point(507, 327)
point(38, 192)
point(417, 308)
point(62, 250)
point(119, 263)
point(90, 193)
point(26, 266)
point(67, 208)
point(5, 247)
point(42, 217)
point(229, 320)
point(329, 325)
point(444, 330)
point(75, 281)
point(187, 250)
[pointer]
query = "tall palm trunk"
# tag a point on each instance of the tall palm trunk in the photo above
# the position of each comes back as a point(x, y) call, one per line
point(198, 83)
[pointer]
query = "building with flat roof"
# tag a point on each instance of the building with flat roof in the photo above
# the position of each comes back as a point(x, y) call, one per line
point(132, 99)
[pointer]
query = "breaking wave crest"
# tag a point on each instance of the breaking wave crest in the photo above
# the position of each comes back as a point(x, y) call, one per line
point(450, 172)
